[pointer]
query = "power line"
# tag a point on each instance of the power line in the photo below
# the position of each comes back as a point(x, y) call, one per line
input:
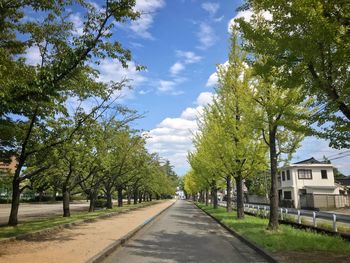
point(336, 154)
point(339, 157)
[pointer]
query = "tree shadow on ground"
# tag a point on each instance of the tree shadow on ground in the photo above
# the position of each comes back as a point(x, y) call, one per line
point(181, 247)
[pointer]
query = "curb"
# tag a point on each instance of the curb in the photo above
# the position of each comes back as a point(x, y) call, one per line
point(267, 255)
point(67, 225)
point(119, 242)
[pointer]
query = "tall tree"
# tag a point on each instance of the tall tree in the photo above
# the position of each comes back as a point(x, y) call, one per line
point(309, 41)
point(283, 125)
point(242, 154)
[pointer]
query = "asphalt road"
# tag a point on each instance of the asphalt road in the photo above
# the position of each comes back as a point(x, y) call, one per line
point(28, 212)
point(184, 234)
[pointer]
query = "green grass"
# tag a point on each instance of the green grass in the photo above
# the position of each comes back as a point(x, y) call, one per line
point(36, 225)
point(286, 238)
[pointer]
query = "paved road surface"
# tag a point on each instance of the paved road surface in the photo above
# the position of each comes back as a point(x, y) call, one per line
point(35, 211)
point(184, 234)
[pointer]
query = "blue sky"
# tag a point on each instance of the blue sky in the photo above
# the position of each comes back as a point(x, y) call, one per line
point(180, 42)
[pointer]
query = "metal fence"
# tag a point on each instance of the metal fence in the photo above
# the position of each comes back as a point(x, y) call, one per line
point(285, 213)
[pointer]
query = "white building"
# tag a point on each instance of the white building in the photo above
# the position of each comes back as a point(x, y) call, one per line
point(180, 194)
point(306, 178)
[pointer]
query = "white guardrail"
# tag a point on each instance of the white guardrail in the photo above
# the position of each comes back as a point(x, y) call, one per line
point(298, 213)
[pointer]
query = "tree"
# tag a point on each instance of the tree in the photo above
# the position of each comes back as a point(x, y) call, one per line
point(309, 41)
point(241, 151)
point(205, 167)
point(124, 144)
point(42, 90)
point(283, 125)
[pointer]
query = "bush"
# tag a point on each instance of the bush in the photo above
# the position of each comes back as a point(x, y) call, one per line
point(100, 203)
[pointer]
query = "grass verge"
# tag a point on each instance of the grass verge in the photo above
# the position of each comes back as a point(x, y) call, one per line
point(43, 224)
point(285, 239)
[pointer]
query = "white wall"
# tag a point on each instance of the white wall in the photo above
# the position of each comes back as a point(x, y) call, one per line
point(294, 184)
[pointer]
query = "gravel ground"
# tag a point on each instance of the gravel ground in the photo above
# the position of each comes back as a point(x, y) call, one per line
point(78, 243)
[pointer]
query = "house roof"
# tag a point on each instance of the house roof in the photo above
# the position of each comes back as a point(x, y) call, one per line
point(343, 181)
point(311, 160)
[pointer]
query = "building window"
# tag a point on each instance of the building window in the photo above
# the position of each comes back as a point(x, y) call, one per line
point(287, 195)
point(283, 176)
point(288, 175)
point(324, 174)
point(304, 174)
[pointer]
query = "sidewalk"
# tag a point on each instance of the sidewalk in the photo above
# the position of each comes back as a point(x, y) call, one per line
point(79, 243)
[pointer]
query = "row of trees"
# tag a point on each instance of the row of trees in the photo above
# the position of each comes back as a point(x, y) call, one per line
point(279, 79)
point(52, 141)
point(103, 158)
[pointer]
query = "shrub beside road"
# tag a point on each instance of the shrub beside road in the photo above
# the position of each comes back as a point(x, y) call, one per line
point(287, 240)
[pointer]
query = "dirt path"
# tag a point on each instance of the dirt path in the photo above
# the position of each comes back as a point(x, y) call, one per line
point(29, 212)
point(79, 243)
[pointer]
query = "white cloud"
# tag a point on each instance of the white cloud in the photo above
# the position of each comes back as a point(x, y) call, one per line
point(206, 36)
point(184, 58)
point(94, 5)
point(144, 92)
point(176, 68)
point(166, 85)
point(219, 19)
point(172, 138)
point(112, 70)
point(188, 57)
point(212, 80)
point(204, 98)
point(136, 45)
point(147, 8)
point(247, 16)
point(78, 24)
point(33, 56)
point(211, 7)
point(192, 113)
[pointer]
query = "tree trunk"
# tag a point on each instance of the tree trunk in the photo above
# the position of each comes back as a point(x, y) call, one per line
point(40, 196)
point(92, 198)
point(273, 220)
point(229, 196)
point(16, 193)
point(135, 196)
point(215, 195)
point(129, 197)
point(201, 197)
point(109, 199)
point(207, 197)
point(66, 199)
point(240, 196)
point(150, 197)
point(54, 194)
point(144, 197)
point(120, 196)
point(140, 197)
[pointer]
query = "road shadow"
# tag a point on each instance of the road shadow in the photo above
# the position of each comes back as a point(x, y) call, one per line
point(177, 247)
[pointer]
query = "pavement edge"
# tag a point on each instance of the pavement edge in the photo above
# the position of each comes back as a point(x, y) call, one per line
point(267, 255)
point(117, 243)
